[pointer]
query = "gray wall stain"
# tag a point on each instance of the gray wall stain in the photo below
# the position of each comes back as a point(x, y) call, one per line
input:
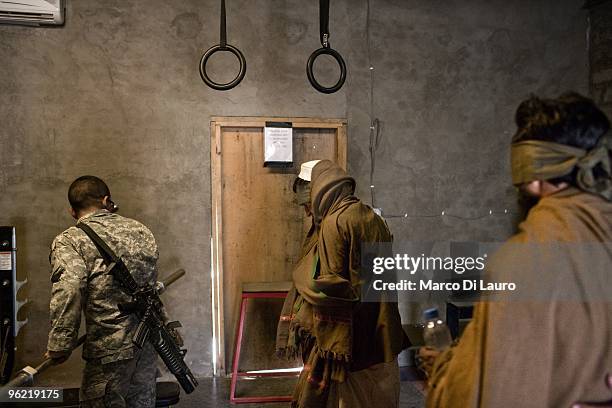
point(187, 25)
point(116, 93)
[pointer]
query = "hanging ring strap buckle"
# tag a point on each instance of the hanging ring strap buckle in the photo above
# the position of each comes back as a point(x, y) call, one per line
point(326, 49)
point(222, 46)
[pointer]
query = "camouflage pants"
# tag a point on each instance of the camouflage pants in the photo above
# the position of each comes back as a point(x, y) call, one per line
point(121, 384)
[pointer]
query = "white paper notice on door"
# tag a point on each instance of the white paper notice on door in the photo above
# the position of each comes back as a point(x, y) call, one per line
point(6, 261)
point(278, 144)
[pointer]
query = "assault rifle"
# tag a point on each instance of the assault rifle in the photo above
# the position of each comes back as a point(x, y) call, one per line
point(149, 309)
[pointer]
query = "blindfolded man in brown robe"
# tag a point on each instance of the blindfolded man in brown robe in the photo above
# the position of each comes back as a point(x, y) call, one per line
point(349, 347)
point(553, 348)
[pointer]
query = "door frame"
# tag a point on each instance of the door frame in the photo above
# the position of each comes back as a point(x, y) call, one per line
point(217, 124)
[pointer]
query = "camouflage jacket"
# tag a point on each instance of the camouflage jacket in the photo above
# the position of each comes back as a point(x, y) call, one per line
point(80, 282)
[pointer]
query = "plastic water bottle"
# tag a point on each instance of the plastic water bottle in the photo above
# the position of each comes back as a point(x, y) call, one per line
point(436, 333)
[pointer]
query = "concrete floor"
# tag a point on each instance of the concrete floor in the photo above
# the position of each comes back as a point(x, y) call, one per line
point(215, 393)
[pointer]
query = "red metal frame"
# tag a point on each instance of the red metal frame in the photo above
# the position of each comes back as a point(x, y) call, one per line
point(238, 348)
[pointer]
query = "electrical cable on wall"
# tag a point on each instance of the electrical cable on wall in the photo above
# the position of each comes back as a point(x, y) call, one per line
point(375, 138)
point(375, 141)
point(491, 213)
point(375, 134)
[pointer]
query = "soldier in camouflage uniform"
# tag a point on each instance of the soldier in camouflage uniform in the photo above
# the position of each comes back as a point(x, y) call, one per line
point(116, 373)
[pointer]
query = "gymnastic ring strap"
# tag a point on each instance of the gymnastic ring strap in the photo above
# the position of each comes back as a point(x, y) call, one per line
point(324, 22)
point(222, 46)
point(327, 50)
point(313, 80)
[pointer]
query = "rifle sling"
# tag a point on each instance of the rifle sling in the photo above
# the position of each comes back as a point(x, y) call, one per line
point(126, 279)
point(107, 253)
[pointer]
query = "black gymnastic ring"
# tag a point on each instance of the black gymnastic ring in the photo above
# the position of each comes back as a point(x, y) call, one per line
point(235, 81)
point(339, 60)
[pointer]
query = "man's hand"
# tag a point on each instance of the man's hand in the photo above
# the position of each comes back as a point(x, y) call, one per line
point(426, 357)
point(58, 357)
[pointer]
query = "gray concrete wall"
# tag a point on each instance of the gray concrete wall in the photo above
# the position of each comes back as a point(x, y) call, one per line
point(600, 55)
point(448, 76)
point(116, 93)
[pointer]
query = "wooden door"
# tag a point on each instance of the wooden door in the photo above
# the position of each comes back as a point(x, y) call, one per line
point(257, 226)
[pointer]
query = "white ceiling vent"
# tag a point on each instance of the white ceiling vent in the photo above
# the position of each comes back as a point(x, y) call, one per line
point(32, 12)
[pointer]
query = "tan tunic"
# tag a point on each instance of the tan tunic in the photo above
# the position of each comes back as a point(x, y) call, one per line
point(346, 344)
point(537, 353)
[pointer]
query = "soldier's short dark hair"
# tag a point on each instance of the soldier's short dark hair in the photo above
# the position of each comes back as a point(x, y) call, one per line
point(86, 192)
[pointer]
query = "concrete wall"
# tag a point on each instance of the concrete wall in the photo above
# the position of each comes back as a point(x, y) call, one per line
point(600, 57)
point(448, 76)
point(116, 93)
